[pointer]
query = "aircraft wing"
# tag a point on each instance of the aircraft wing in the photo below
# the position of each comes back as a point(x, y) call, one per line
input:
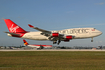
point(53, 36)
point(42, 30)
point(13, 33)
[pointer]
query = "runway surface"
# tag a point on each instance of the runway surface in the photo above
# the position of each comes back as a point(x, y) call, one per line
point(52, 50)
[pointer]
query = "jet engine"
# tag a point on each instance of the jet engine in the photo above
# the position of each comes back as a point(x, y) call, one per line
point(55, 34)
point(67, 38)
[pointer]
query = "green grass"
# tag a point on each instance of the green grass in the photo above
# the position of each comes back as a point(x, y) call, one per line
point(52, 60)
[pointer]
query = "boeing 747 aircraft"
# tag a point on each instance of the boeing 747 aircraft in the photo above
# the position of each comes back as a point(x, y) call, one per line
point(55, 36)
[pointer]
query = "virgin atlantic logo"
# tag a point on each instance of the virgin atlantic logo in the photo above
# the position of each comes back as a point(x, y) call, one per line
point(13, 28)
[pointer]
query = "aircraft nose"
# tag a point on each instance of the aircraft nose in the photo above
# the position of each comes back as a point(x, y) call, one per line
point(100, 32)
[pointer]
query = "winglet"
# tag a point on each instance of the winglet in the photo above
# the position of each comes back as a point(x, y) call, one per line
point(30, 26)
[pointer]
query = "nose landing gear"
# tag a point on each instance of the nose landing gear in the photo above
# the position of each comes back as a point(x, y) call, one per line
point(92, 40)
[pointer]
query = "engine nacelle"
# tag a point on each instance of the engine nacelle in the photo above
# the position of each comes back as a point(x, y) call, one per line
point(55, 34)
point(69, 37)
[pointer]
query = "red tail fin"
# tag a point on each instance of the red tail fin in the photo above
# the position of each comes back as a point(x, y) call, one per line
point(25, 42)
point(13, 28)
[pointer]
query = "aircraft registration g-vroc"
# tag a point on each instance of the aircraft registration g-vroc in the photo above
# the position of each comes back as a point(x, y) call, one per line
point(36, 45)
point(55, 36)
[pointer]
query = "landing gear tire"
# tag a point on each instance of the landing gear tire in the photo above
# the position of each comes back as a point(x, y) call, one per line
point(92, 40)
point(59, 42)
point(54, 42)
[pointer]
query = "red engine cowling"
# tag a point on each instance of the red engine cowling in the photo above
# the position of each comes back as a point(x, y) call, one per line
point(69, 37)
point(55, 34)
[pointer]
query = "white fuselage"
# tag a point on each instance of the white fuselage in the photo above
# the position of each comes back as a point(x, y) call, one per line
point(78, 33)
point(34, 46)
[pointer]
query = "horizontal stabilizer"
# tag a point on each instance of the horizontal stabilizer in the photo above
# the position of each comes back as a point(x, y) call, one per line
point(13, 33)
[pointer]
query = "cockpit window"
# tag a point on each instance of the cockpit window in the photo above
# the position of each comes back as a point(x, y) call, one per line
point(93, 29)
